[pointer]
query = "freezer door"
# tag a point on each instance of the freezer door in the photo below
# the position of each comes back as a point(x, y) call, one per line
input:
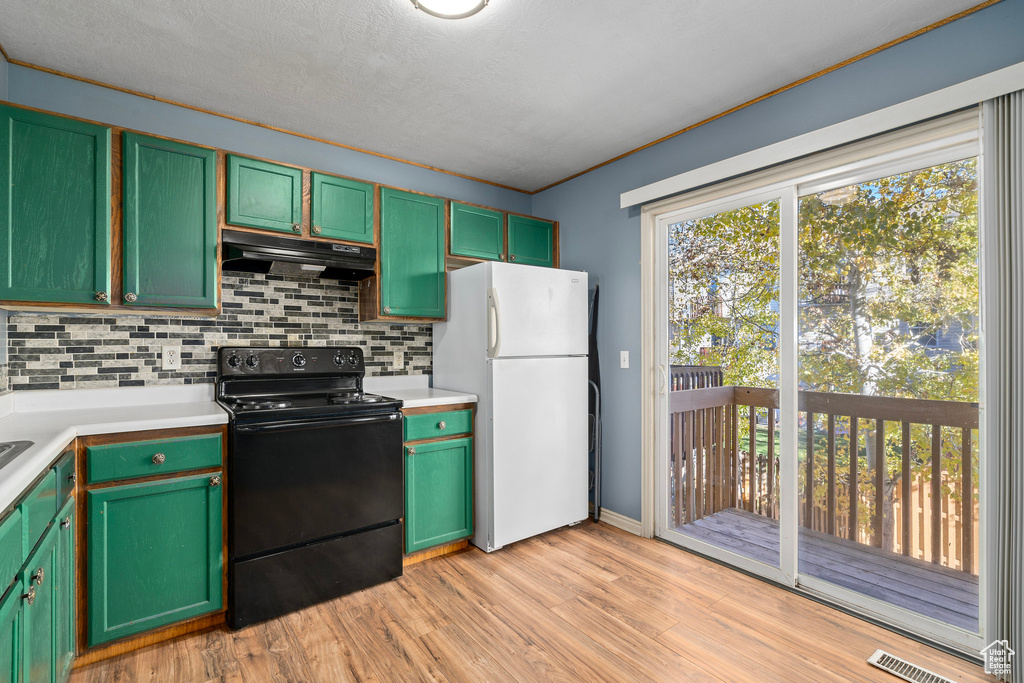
point(535, 311)
point(538, 446)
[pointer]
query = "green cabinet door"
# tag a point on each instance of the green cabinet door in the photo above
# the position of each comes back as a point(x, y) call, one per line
point(412, 273)
point(170, 223)
point(11, 611)
point(55, 211)
point(438, 493)
point(64, 592)
point(154, 554)
point(531, 241)
point(263, 195)
point(477, 232)
point(341, 208)
point(39, 577)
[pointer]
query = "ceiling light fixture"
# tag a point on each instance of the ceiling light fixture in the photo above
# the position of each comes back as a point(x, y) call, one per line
point(450, 9)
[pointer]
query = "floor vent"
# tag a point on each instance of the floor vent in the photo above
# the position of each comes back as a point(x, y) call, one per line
point(904, 669)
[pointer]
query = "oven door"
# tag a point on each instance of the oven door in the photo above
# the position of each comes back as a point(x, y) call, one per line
point(300, 481)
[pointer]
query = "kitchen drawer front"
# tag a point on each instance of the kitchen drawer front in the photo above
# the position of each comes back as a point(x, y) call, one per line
point(12, 552)
point(438, 425)
point(38, 509)
point(112, 462)
point(65, 469)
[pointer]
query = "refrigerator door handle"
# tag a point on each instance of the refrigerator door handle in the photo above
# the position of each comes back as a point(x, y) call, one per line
point(493, 324)
point(663, 380)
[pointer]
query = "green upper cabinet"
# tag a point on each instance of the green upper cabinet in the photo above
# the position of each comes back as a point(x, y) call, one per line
point(55, 211)
point(531, 241)
point(154, 554)
point(412, 271)
point(170, 223)
point(438, 493)
point(264, 195)
point(477, 232)
point(341, 208)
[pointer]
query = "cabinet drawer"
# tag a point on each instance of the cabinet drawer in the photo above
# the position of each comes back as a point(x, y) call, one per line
point(12, 553)
point(38, 509)
point(147, 458)
point(438, 425)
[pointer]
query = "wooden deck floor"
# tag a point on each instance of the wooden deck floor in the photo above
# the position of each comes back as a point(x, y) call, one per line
point(590, 603)
point(945, 594)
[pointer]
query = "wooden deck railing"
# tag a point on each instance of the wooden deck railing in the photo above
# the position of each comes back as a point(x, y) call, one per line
point(695, 376)
point(724, 454)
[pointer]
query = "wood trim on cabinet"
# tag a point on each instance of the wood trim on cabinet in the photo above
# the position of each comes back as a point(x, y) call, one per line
point(438, 551)
point(448, 407)
point(84, 654)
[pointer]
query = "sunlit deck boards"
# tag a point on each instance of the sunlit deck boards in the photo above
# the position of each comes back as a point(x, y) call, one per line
point(945, 594)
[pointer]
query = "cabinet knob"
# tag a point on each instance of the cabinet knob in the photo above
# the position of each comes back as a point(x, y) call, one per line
point(72, 477)
point(101, 296)
point(30, 597)
point(512, 257)
point(38, 577)
point(159, 458)
point(412, 451)
point(441, 425)
point(130, 298)
point(316, 229)
point(387, 310)
point(215, 481)
point(66, 524)
point(501, 256)
point(296, 227)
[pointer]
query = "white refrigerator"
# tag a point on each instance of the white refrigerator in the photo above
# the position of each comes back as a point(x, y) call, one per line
point(516, 336)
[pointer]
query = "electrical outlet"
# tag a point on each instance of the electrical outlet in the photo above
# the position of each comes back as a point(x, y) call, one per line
point(399, 360)
point(170, 358)
point(624, 359)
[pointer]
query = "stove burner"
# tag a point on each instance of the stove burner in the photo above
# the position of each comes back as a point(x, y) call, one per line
point(263, 403)
point(353, 397)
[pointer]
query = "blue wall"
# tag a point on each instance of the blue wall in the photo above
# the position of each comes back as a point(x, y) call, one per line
point(603, 239)
point(33, 88)
point(3, 78)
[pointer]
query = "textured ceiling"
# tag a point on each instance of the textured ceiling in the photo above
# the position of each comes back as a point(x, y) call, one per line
point(524, 94)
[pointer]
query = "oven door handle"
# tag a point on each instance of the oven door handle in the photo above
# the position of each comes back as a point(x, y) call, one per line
point(316, 424)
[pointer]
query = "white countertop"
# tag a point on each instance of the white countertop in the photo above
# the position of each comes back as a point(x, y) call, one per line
point(52, 419)
point(414, 391)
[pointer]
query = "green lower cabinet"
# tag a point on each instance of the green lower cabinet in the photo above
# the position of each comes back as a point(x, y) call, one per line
point(263, 195)
point(170, 223)
point(11, 611)
point(531, 241)
point(341, 209)
point(477, 232)
point(438, 493)
point(412, 267)
point(64, 592)
point(55, 208)
point(40, 576)
point(155, 554)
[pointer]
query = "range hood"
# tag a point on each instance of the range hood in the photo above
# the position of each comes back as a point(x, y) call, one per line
point(251, 252)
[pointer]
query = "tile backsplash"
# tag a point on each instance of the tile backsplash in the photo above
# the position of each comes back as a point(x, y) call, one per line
point(67, 351)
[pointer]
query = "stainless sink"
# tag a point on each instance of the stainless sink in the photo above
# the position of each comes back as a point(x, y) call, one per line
point(9, 450)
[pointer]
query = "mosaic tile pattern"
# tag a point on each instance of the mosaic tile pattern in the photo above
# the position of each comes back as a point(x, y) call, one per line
point(67, 351)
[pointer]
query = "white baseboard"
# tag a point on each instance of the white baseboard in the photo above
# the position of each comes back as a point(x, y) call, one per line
point(620, 521)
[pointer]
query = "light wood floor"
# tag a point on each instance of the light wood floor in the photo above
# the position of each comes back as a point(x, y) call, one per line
point(590, 603)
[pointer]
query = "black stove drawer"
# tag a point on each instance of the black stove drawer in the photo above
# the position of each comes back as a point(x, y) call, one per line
point(296, 482)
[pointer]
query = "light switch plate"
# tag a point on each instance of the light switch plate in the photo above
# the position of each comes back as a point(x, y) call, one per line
point(624, 359)
point(170, 358)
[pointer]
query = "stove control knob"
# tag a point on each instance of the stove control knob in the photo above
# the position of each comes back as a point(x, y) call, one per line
point(234, 360)
point(252, 361)
point(339, 359)
point(353, 360)
point(298, 360)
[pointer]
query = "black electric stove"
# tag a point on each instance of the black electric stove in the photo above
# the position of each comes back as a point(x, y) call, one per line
point(315, 493)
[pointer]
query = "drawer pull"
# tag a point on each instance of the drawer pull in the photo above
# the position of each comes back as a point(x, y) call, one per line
point(101, 296)
point(38, 577)
point(215, 481)
point(412, 451)
point(159, 459)
point(441, 425)
point(30, 597)
point(66, 524)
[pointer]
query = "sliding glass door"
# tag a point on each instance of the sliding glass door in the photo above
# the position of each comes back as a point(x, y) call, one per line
point(820, 342)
